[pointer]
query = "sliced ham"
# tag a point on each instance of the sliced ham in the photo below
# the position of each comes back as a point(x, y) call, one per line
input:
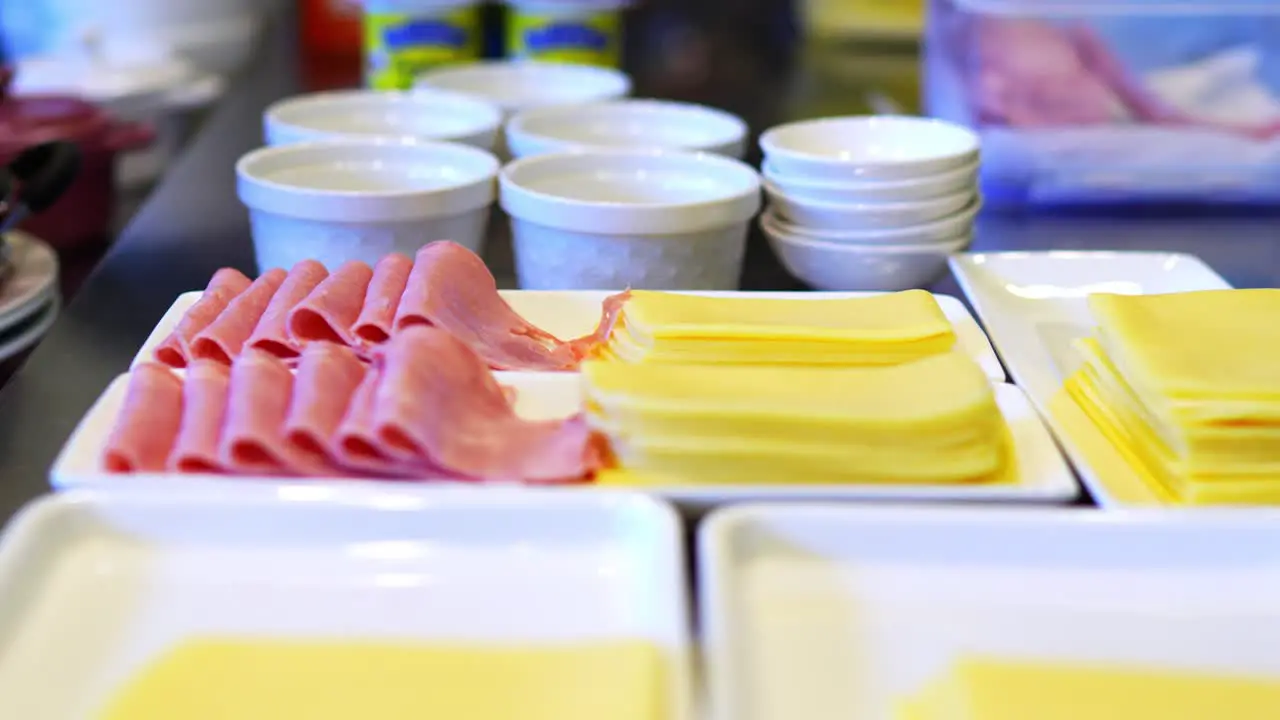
point(225, 285)
point(356, 443)
point(437, 402)
point(328, 375)
point(223, 339)
point(204, 406)
point(450, 288)
point(148, 421)
point(333, 306)
point(272, 332)
point(253, 440)
point(377, 317)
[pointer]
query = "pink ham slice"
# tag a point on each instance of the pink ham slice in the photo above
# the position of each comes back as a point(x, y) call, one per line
point(332, 308)
point(223, 339)
point(258, 402)
point(225, 285)
point(148, 423)
point(272, 333)
point(377, 317)
point(356, 443)
point(204, 406)
point(438, 402)
point(328, 376)
point(450, 288)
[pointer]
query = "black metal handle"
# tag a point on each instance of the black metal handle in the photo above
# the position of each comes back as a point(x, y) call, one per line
point(44, 172)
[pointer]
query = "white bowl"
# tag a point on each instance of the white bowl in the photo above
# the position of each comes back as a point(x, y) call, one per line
point(822, 216)
point(627, 124)
point(608, 219)
point(938, 231)
point(515, 85)
point(343, 200)
point(876, 147)
point(359, 114)
point(845, 267)
point(924, 188)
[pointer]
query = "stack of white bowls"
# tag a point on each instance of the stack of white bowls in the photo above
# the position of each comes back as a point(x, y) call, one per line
point(869, 203)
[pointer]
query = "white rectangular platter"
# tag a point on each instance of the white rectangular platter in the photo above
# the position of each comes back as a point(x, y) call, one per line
point(840, 611)
point(574, 313)
point(94, 585)
point(1034, 306)
point(1044, 475)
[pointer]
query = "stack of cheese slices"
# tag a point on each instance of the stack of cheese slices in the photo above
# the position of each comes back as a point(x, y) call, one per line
point(989, 689)
point(813, 392)
point(1185, 387)
point(875, 330)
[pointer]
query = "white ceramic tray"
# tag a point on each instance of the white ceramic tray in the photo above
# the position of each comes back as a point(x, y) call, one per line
point(1045, 477)
point(574, 313)
point(839, 611)
point(1034, 306)
point(94, 585)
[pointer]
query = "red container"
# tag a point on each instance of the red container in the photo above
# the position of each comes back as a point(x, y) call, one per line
point(82, 216)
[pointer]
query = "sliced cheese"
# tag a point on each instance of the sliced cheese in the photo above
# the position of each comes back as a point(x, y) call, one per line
point(1209, 345)
point(264, 679)
point(873, 330)
point(991, 689)
point(931, 421)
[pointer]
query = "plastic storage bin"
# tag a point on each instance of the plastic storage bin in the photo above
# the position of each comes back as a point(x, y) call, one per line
point(1112, 101)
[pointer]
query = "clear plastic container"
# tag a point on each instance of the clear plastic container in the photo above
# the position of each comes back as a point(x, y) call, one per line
point(1113, 101)
point(403, 38)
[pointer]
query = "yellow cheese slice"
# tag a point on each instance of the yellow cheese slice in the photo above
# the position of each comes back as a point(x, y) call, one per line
point(891, 317)
point(1154, 471)
point(872, 330)
point(931, 421)
point(759, 462)
point(936, 390)
point(989, 689)
point(1196, 449)
point(1215, 345)
point(258, 679)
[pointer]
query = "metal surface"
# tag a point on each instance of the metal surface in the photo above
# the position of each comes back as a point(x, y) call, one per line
point(194, 224)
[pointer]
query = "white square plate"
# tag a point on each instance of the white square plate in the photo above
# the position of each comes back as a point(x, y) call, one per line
point(95, 585)
point(1034, 306)
point(838, 613)
point(1044, 476)
point(574, 313)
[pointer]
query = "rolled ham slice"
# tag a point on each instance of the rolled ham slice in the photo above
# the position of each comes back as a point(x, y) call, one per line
point(204, 406)
point(332, 308)
point(272, 332)
point(328, 375)
point(450, 288)
point(253, 440)
point(437, 402)
point(356, 443)
point(377, 317)
point(223, 339)
point(225, 285)
point(148, 422)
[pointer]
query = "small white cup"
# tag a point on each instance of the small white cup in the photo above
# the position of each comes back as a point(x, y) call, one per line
point(605, 220)
point(336, 201)
point(365, 114)
point(627, 124)
point(515, 85)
